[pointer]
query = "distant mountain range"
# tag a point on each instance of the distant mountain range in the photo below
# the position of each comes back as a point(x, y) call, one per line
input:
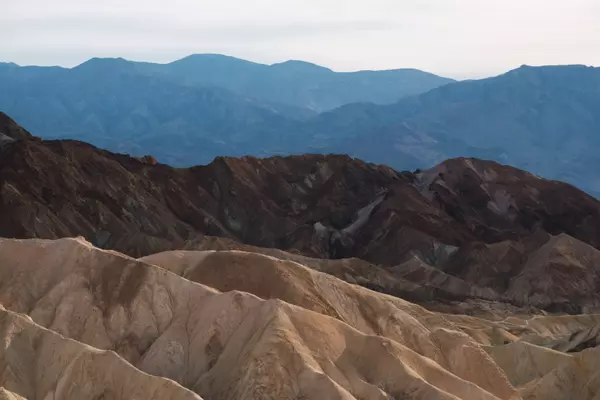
point(191, 110)
point(544, 119)
point(296, 83)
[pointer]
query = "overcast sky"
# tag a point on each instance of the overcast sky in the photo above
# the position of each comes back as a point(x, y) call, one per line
point(458, 38)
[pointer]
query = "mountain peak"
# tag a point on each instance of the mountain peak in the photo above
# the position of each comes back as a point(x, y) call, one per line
point(212, 58)
point(569, 76)
point(99, 62)
point(551, 68)
point(554, 66)
point(209, 56)
point(298, 65)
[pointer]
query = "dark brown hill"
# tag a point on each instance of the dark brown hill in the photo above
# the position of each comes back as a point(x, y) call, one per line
point(326, 206)
point(320, 206)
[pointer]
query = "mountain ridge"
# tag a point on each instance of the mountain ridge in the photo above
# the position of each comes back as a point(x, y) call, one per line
point(214, 105)
point(231, 72)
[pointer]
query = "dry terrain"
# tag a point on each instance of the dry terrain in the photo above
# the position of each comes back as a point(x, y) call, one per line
point(241, 325)
point(300, 278)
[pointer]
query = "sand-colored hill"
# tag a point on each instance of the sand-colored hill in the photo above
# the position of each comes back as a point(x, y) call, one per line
point(413, 280)
point(524, 362)
point(241, 325)
point(273, 278)
point(577, 378)
point(36, 363)
point(234, 344)
point(528, 357)
point(553, 273)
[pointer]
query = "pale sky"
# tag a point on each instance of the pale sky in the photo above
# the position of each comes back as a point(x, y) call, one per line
point(457, 38)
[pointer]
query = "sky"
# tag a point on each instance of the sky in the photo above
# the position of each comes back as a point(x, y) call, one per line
point(455, 38)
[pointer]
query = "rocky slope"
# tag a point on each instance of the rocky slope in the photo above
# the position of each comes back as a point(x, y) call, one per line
point(275, 330)
point(37, 363)
point(235, 345)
